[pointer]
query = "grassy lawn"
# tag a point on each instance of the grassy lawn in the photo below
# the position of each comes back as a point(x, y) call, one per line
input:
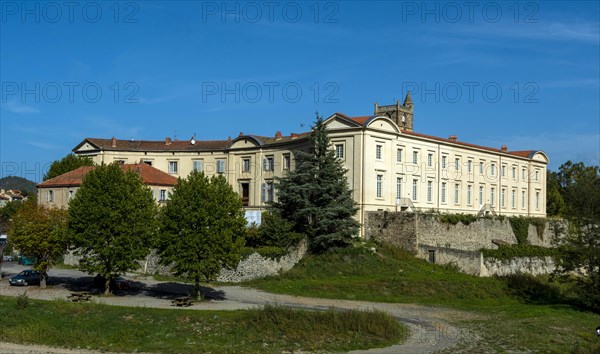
point(517, 313)
point(269, 330)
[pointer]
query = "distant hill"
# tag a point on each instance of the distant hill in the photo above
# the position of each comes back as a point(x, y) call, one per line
point(22, 184)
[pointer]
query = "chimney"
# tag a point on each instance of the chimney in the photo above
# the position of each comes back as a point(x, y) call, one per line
point(453, 138)
point(504, 148)
point(294, 135)
point(167, 141)
point(241, 133)
point(114, 142)
point(277, 135)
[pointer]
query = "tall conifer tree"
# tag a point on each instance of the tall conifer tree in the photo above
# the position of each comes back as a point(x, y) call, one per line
point(316, 197)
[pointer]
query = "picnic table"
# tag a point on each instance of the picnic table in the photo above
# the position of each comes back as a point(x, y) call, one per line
point(182, 301)
point(83, 296)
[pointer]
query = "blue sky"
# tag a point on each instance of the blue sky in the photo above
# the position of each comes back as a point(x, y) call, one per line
point(524, 74)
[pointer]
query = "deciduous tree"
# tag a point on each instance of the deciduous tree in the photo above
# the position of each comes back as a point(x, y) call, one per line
point(40, 233)
point(66, 164)
point(202, 228)
point(112, 221)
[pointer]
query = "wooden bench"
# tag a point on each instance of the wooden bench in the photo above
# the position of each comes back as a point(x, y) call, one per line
point(182, 301)
point(80, 297)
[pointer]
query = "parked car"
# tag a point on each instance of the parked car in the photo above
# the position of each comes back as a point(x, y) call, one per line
point(26, 277)
point(26, 260)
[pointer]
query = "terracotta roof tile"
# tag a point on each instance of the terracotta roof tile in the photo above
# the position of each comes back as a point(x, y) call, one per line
point(159, 145)
point(149, 175)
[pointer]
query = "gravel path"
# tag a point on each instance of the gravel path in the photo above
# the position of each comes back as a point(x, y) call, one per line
point(430, 331)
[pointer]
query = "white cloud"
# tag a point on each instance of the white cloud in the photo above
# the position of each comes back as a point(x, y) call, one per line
point(18, 107)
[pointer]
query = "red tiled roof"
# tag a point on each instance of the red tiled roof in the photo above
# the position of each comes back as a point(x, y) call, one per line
point(150, 176)
point(158, 145)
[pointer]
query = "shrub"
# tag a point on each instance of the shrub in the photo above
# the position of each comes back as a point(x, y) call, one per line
point(540, 226)
point(519, 250)
point(22, 301)
point(520, 227)
point(454, 219)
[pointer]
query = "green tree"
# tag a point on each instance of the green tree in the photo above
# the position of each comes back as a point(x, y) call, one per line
point(555, 204)
point(202, 228)
point(66, 164)
point(112, 221)
point(41, 233)
point(316, 198)
point(580, 252)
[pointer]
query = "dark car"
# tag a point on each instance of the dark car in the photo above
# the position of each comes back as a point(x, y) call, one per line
point(26, 277)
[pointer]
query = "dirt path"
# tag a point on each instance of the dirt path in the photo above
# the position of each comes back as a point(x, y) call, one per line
point(430, 331)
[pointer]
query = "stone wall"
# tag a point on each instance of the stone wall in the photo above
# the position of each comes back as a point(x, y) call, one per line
point(257, 266)
point(253, 267)
point(531, 265)
point(408, 230)
point(467, 261)
point(399, 229)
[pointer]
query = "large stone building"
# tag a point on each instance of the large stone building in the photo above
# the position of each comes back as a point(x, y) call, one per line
point(390, 167)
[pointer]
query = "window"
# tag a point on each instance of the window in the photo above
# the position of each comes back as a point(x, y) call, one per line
point(469, 166)
point(514, 172)
point(398, 187)
point(537, 200)
point(493, 169)
point(523, 196)
point(492, 196)
point(148, 162)
point(469, 191)
point(523, 174)
point(399, 155)
point(429, 160)
point(50, 196)
point(415, 157)
point(268, 163)
point(513, 199)
point(456, 193)
point(414, 189)
point(197, 165)
point(162, 195)
point(481, 167)
point(245, 165)
point(267, 192)
point(444, 161)
point(429, 191)
point(443, 192)
point(220, 166)
point(286, 162)
point(480, 196)
point(172, 166)
point(537, 175)
point(503, 173)
point(339, 151)
point(502, 196)
point(378, 149)
point(379, 186)
point(70, 194)
point(457, 164)
point(120, 162)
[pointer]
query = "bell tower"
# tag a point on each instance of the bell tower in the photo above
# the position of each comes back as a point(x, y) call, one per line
point(401, 114)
